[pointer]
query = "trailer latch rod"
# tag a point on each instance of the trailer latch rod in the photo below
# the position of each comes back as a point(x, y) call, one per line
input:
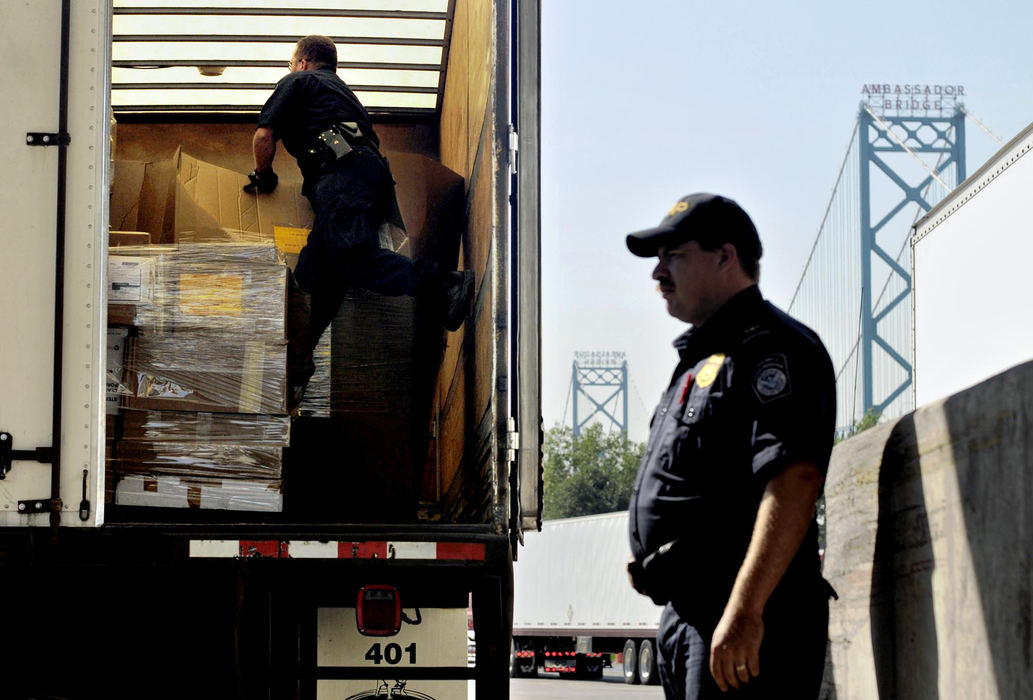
point(9, 455)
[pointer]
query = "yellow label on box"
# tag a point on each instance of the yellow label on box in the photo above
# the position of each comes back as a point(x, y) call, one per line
point(211, 294)
point(290, 239)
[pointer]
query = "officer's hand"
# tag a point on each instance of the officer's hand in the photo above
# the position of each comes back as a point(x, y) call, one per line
point(735, 650)
point(264, 181)
point(635, 575)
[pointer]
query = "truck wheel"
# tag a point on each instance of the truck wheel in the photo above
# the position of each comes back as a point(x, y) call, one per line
point(514, 667)
point(647, 663)
point(521, 667)
point(630, 656)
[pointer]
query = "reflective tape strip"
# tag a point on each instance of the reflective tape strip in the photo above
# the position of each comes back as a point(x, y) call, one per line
point(362, 550)
point(468, 551)
point(214, 548)
point(415, 550)
point(314, 549)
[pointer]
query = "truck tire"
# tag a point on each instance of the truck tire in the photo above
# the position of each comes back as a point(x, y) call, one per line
point(514, 669)
point(630, 656)
point(647, 672)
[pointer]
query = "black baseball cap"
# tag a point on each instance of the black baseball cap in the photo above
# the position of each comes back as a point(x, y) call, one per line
point(708, 218)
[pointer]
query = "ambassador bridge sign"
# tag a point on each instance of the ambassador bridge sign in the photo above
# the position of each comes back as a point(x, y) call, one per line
point(913, 99)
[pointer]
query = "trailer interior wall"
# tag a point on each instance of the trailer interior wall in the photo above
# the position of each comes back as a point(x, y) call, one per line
point(467, 405)
point(466, 413)
point(228, 145)
point(971, 277)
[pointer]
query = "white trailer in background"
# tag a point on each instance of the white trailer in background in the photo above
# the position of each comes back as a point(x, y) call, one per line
point(970, 268)
point(573, 603)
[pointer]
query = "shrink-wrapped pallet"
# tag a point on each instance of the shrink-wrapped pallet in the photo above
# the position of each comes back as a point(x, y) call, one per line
point(234, 288)
point(198, 493)
point(200, 372)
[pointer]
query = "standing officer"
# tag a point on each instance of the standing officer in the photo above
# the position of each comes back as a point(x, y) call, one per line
point(722, 520)
point(324, 126)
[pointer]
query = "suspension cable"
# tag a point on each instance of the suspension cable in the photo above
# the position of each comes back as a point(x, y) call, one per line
point(825, 216)
point(885, 285)
point(981, 125)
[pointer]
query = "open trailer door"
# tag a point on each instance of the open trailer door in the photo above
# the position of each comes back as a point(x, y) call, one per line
point(52, 355)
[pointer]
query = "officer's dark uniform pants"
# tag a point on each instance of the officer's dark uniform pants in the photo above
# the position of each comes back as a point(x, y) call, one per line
point(343, 251)
point(792, 656)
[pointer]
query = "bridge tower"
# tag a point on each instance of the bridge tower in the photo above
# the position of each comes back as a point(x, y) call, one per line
point(601, 380)
point(892, 132)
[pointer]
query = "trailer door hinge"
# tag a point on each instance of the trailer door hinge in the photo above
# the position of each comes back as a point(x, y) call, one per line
point(512, 440)
point(8, 455)
point(40, 138)
point(514, 149)
point(40, 505)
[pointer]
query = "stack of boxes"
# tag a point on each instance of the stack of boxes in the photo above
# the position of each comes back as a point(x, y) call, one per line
point(196, 351)
point(202, 389)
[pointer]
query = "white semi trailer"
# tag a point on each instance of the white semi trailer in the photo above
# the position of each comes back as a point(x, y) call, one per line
point(970, 264)
point(574, 606)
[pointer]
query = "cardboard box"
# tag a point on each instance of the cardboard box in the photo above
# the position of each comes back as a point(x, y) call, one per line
point(210, 205)
point(230, 298)
point(118, 239)
point(205, 494)
point(199, 372)
point(316, 402)
point(131, 279)
point(143, 198)
point(227, 287)
point(189, 460)
point(206, 428)
point(114, 374)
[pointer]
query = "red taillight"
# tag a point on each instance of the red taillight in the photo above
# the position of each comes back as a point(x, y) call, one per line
point(379, 611)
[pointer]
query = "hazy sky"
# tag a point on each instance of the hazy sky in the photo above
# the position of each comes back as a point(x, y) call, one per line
point(643, 102)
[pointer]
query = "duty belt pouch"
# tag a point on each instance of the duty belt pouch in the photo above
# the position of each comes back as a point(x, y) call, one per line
point(664, 572)
point(338, 142)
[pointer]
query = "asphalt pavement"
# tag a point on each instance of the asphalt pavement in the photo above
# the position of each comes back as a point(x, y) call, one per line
point(611, 687)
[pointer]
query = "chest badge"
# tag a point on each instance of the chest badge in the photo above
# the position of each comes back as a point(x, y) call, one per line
point(708, 373)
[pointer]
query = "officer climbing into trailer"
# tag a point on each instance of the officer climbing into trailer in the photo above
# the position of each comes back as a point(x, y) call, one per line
point(324, 126)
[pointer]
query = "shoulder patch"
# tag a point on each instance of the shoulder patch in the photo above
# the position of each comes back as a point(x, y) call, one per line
point(708, 373)
point(771, 380)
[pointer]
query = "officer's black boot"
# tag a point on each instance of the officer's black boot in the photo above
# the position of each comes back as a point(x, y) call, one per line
point(299, 344)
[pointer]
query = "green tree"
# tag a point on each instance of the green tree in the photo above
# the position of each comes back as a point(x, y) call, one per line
point(593, 473)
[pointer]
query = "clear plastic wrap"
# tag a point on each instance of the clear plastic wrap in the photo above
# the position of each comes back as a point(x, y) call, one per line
point(206, 287)
point(317, 394)
point(114, 371)
point(206, 428)
point(209, 494)
point(373, 363)
point(198, 460)
point(201, 372)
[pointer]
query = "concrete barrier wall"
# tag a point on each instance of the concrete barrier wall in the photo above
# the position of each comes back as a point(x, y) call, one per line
point(930, 547)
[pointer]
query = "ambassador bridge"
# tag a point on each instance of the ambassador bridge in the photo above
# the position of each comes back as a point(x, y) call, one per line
point(906, 152)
